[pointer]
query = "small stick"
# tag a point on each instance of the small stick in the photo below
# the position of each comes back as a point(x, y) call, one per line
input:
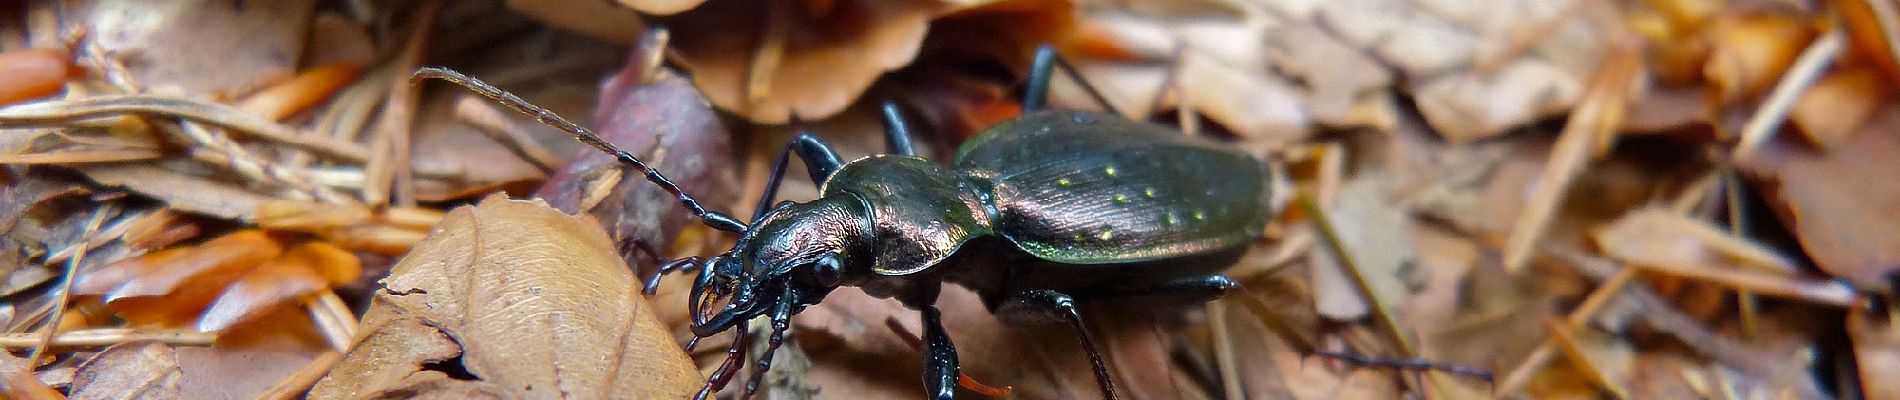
point(66, 285)
point(1807, 68)
point(107, 337)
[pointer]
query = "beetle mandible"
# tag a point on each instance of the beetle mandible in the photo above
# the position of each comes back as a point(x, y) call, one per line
point(1034, 214)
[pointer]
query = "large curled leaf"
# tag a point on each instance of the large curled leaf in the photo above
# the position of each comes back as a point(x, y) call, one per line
point(539, 302)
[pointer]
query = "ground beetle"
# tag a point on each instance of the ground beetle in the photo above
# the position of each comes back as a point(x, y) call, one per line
point(1036, 214)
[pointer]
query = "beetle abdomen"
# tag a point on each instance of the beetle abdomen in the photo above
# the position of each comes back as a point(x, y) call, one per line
point(1084, 188)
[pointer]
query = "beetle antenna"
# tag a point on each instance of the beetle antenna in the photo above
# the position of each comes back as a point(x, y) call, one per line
point(714, 219)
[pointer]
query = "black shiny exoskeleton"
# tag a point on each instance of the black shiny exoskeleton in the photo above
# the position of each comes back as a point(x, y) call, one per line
point(1035, 214)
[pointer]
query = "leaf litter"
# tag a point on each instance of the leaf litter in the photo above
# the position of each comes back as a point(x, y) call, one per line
point(1648, 199)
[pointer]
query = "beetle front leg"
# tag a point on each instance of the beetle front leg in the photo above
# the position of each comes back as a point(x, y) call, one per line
point(652, 284)
point(820, 161)
point(940, 356)
point(729, 368)
point(781, 322)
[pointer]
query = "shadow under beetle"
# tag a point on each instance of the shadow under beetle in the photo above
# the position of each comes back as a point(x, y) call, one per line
point(1035, 214)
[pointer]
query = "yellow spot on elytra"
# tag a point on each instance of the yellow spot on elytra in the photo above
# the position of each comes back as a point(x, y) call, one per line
point(1107, 233)
point(1109, 170)
point(1120, 199)
point(1200, 215)
point(1063, 182)
point(1150, 192)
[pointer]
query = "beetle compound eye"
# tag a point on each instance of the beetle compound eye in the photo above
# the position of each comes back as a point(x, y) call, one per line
point(825, 271)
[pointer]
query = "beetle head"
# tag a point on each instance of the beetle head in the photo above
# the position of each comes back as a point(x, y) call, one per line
point(794, 255)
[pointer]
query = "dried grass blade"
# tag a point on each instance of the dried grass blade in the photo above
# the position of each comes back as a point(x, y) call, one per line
point(55, 112)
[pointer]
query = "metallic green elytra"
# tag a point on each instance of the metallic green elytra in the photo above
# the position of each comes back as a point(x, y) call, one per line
point(1048, 172)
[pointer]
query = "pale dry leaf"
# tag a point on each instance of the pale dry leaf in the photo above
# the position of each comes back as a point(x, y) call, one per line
point(166, 45)
point(1837, 105)
point(661, 7)
point(1373, 225)
point(130, 370)
point(541, 304)
point(820, 65)
point(1877, 350)
point(248, 359)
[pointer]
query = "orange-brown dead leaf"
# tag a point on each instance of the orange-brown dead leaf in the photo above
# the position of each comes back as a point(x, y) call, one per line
point(31, 74)
point(273, 285)
point(299, 93)
point(1837, 105)
point(1871, 33)
point(1751, 52)
point(539, 302)
point(175, 292)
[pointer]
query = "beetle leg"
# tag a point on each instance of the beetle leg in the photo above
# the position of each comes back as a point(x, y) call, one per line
point(1191, 290)
point(781, 322)
point(896, 132)
point(940, 357)
point(730, 367)
point(1042, 70)
point(1047, 302)
point(820, 161)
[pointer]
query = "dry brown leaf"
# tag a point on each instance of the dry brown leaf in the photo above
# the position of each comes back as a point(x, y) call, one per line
point(1837, 105)
point(250, 358)
point(599, 19)
point(130, 370)
point(1871, 36)
point(540, 303)
point(32, 74)
point(661, 7)
point(1837, 201)
point(198, 47)
point(815, 64)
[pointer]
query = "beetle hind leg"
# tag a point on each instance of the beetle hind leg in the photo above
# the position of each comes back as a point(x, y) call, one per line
point(1050, 304)
point(940, 357)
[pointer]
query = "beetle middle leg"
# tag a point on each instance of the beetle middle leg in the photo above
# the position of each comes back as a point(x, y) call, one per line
point(940, 356)
point(1042, 71)
point(1051, 304)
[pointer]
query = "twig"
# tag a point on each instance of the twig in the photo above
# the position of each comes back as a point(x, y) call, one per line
point(1813, 291)
point(66, 285)
point(1807, 68)
point(333, 319)
point(1224, 362)
point(107, 337)
point(295, 385)
point(81, 156)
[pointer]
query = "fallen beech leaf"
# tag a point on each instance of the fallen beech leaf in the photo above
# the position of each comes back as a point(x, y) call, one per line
point(198, 47)
point(31, 74)
point(540, 304)
point(818, 65)
point(1837, 105)
point(130, 370)
point(1837, 201)
point(248, 359)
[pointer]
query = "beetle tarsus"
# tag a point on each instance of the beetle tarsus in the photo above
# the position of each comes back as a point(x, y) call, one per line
point(1042, 71)
point(1046, 304)
point(735, 355)
point(652, 284)
point(940, 357)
